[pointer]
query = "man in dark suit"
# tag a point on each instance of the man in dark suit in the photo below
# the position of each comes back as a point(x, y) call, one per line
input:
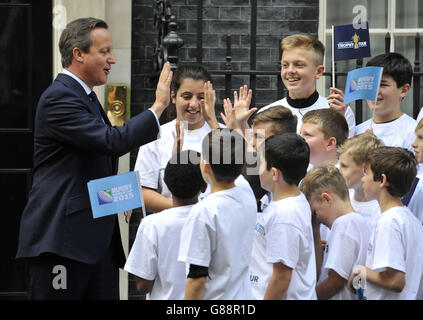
point(69, 254)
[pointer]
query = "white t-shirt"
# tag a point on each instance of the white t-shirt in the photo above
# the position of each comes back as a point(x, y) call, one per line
point(420, 115)
point(154, 253)
point(324, 230)
point(416, 201)
point(346, 247)
point(321, 103)
point(218, 234)
point(153, 157)
point(397, 133)
point(265, 200)
point(283, 233)
point(369, 210)
point(396, 243)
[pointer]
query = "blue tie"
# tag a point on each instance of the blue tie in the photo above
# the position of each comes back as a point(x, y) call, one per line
point(97, 105)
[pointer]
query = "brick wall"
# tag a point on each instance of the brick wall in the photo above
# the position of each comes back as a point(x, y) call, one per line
point(275, 20)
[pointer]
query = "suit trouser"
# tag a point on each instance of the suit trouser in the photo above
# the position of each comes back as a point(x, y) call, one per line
point(52, 277)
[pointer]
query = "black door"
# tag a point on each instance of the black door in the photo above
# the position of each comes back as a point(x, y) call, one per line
point(25, 71)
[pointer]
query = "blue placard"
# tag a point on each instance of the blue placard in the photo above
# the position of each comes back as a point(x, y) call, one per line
point(351, 43)
point(115, 194)
point(363, 84)
point(360, 294)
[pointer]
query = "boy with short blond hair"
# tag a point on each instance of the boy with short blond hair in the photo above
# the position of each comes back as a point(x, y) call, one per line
point(306, 42)
point(301, 66)
point(389, 123)
point(327, 193)
point(394, 263)
point(324, 130)
point(352, 156)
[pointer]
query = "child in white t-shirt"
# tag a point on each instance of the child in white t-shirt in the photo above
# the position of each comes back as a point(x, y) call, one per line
point(275, 120)
point(416, 201)
point(302, 65)
point(327, 193)
point(153, 256)
point(217, 237)
point(187, 94)
point(283, 262)
point(394, 263)
point(352, 156)
point(324, 130)
point(389, 123)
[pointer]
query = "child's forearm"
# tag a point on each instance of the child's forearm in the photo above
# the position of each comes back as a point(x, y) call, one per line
point(246, 133)
point(213, 123)
point(243, 125)
point(318, 248)
point(154, 201)
point(330, 286)
point(194, 288)
point(144, 286)
point(278, 283)
point(276, 289)
point(390, 279)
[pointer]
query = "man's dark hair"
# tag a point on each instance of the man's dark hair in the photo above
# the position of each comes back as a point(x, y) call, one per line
point(183, 175)
point(399, 166)
point(290, 154)
point(77, 34)
point(394, 65)
point(224, 150)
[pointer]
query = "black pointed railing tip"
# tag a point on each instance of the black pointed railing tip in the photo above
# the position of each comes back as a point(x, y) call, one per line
point(387, 42)
point(228, 63)
point(172, 42)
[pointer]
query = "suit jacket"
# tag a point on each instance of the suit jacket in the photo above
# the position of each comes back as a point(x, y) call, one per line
point(72, 146)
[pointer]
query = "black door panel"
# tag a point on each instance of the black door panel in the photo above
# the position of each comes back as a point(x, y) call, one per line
point(25, 71)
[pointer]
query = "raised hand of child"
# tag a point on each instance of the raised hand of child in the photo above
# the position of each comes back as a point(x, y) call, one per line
point(207, 106)
point(228, 115)
point(336, 100)
point(242, 104)
point(178, 137)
